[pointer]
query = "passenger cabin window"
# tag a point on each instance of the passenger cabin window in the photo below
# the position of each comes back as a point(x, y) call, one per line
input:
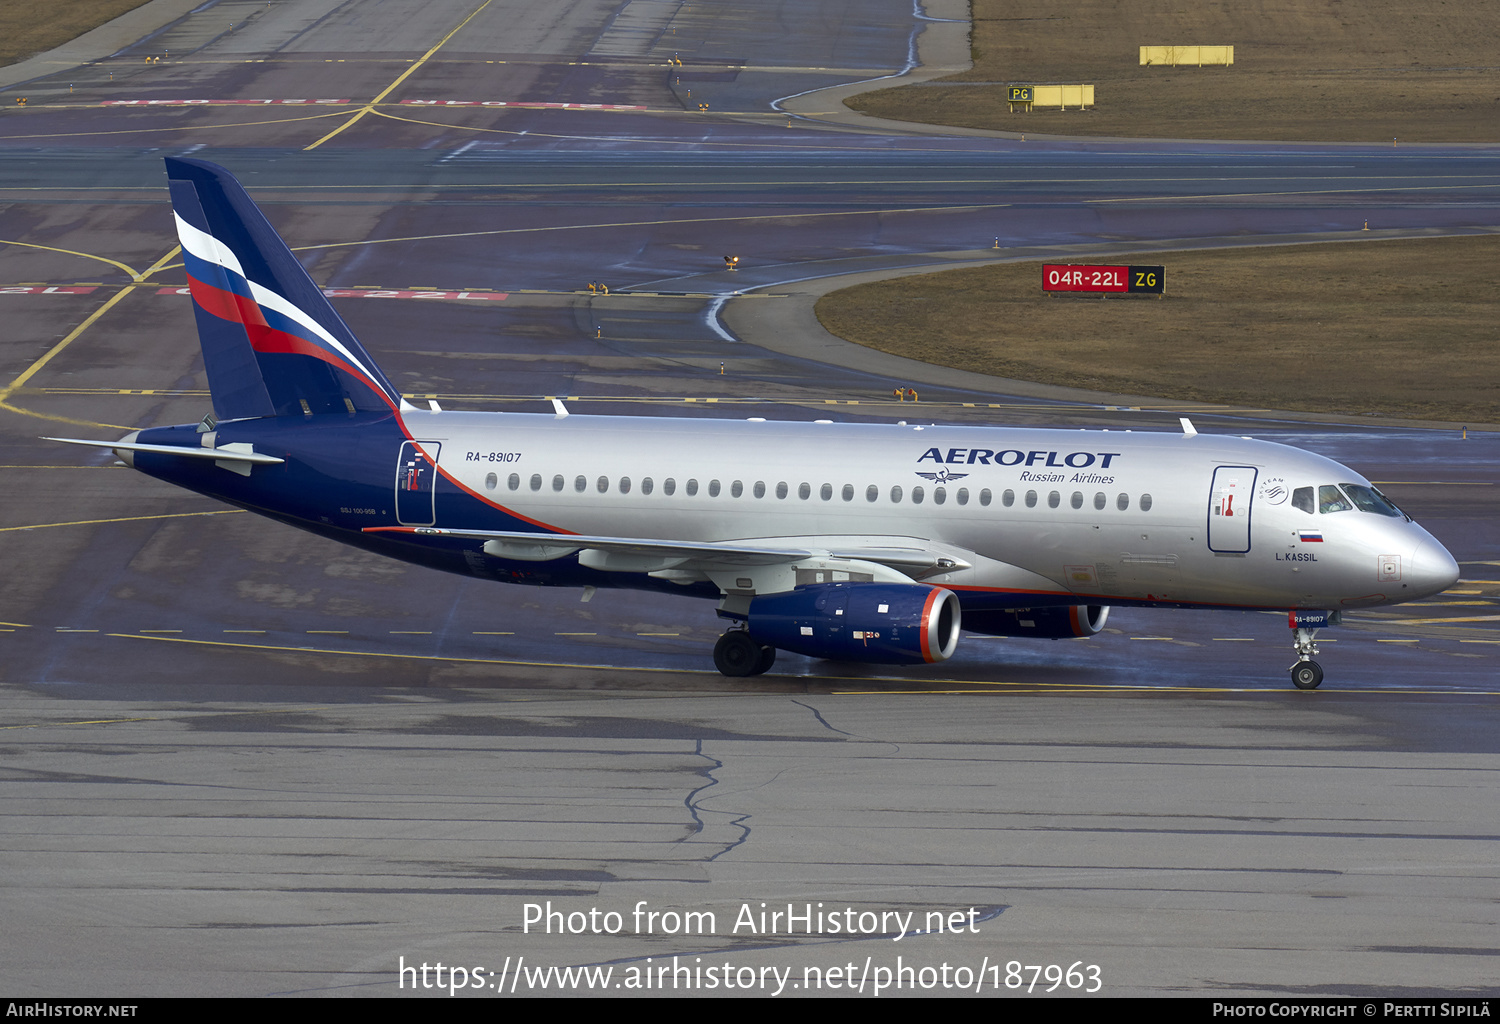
point(781, 489)
point(896, 495)
point(917, 495)
point(557, 482)
point(624, 485)
point(1302, 498)
point(804, 491)
point(536, 481)
point(692, 488)
point(826, 492)
point(713, 488)
point(514, 482)
point(646, 485)
point(581, 484)
point(1145, 503)
point(872, 493)
point(736, 489)
point(848, 492)
point(1331, 499)
point(491, 480)
point(1031, 499)
point(669, 486)
point(939, 495)
point(963, 495)
point(760, 488)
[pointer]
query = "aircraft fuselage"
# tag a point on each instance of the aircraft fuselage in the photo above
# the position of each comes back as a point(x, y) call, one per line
point(1065, 516)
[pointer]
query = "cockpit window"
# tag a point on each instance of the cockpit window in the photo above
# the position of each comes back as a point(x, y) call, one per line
point(1331, 499)
point(1391, 503)
point(1302, 498)
point(1368, 499)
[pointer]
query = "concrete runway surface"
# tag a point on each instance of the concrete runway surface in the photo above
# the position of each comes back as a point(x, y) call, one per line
point(240, 760)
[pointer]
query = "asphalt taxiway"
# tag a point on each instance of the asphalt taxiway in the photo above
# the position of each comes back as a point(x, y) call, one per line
point(241, 760)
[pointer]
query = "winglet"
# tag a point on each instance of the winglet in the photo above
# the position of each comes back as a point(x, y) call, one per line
point(1188, 430)
point(558, 407)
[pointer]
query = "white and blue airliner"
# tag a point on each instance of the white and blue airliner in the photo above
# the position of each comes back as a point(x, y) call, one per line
point(854, 542)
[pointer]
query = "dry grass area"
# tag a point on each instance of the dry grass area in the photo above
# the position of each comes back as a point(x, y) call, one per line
point(1320, 70)
point(1406, 328)
point(29, 27)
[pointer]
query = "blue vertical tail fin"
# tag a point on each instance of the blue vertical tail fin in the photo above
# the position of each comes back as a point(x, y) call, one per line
point(272, 344)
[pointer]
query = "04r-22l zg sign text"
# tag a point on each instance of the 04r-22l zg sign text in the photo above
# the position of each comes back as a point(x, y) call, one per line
point(1084, 277)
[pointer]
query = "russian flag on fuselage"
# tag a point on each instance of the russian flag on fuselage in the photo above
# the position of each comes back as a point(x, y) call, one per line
point(272, 344)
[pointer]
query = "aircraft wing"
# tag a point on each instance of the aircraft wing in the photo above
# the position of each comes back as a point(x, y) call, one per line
point(636, 554)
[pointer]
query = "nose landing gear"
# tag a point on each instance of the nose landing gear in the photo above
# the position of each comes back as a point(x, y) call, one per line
point(1306, 673)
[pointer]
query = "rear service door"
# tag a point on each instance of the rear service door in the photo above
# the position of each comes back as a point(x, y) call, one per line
point(415, 476)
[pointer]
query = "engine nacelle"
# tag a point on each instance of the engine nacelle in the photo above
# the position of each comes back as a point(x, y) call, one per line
point(1049, 623)
point(891, 623)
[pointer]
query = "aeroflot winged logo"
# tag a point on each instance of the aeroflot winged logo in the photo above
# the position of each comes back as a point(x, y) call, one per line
point(272, 344)
point(942, 476)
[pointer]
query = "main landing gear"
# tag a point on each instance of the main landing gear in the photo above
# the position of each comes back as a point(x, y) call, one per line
point(1306, 673)
point(739, 654)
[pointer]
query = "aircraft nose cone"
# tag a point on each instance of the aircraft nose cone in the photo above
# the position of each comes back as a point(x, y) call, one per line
point(1433, 569)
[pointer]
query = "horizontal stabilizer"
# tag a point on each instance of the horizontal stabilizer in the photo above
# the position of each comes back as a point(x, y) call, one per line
point(228, 453)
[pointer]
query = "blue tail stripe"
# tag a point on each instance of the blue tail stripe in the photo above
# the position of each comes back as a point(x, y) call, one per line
point(206, 271)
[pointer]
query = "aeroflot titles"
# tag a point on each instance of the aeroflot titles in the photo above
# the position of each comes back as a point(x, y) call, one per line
point(1013, 457)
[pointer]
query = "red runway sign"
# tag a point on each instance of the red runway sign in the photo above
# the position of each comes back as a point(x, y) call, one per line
point(1084, 277)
